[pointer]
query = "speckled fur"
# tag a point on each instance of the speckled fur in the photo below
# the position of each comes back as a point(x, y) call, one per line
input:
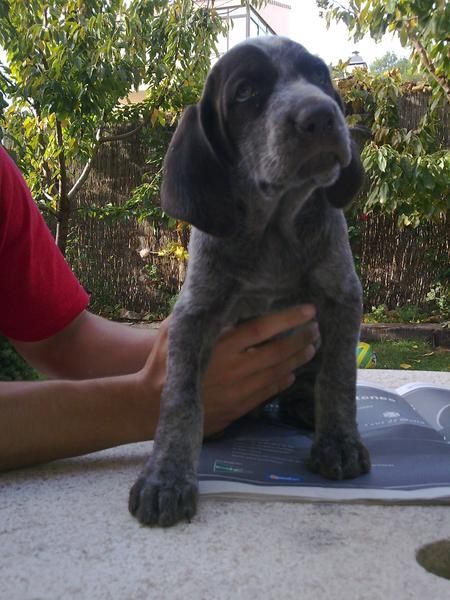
point(264, 194)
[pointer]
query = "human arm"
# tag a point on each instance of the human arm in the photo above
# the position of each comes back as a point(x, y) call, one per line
point(90, 346)
point(108, 376)
point(47, 420)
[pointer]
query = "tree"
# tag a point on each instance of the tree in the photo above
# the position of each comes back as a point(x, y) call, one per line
point(423, 26)
point(407, 168)
point(390, 61)
point(70, 62)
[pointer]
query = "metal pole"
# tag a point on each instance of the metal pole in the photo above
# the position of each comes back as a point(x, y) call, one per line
point(247, 20)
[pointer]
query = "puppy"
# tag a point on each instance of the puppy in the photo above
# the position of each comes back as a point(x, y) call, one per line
point(261, 167)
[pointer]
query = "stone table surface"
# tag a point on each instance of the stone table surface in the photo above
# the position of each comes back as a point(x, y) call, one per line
point(65, 533)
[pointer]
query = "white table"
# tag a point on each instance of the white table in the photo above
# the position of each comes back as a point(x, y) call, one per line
point(65, 533)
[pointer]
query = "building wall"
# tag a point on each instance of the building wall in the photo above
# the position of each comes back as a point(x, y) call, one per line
point(277, 14)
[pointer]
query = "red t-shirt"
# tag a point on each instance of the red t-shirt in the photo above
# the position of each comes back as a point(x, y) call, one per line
point(39, 294)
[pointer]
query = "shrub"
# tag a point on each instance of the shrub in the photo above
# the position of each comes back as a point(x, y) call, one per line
point(12, 365)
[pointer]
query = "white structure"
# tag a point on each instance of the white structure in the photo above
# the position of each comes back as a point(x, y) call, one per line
point(277, 14)
point(245, 21)
point(355, 61)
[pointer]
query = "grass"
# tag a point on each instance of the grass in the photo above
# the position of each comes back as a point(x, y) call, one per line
point(391, 354)
point(410, 355)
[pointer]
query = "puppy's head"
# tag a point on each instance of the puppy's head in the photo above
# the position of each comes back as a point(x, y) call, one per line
point(270, 114)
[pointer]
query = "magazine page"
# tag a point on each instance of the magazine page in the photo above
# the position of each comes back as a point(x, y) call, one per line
point(267, 456)
point(432, 402)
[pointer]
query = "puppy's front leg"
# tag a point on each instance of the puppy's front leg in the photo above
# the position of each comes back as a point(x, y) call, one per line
point(166, 490)
point(338, 452)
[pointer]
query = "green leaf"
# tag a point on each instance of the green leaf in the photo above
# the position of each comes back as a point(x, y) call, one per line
point(381, 162)
point(75, 61)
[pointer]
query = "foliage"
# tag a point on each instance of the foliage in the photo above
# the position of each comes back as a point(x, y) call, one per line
point(410, 313)
point(439, 296)
point(143, 203)
point(12, 366)
point(423, 26)
point(390, 61)
point(176, 250)
point(165, 296)
point(435, 310)
point(378, 314)
point(408, 170)
point(70, 62)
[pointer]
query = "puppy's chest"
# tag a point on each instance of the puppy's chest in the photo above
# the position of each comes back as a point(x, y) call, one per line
point(273, 275)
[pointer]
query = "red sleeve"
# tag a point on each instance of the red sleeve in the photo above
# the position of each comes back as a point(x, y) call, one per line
point(39, 294)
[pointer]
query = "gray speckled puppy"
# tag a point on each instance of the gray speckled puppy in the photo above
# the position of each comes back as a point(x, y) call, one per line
point(261, 167)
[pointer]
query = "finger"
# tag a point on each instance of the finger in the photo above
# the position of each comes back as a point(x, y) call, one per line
point(162, 337)
point(250, 392)
point(254, 360)
point(261, 329)
point(278, 351)
point(164, 325)
point(228, 368)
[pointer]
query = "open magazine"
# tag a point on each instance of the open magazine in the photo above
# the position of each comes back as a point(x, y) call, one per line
point(407, 433)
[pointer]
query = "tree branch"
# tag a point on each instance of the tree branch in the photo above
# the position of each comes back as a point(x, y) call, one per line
point(62, 160)
point(63, 210)
point(441, 80)
point(121, 136)
point(98, 141)
point(3, 77)
point(87, 168)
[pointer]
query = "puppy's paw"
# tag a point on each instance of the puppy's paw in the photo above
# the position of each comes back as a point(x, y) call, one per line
point(339, 457)
point(163, 501)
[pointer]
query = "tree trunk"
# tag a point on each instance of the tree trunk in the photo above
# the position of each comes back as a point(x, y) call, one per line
point(62, 224)
point(64, 205)
point(427, 63)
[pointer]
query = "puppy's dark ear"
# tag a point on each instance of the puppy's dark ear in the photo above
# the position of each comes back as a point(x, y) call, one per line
point(341, 193)
point(196, 186)
point(339, 100)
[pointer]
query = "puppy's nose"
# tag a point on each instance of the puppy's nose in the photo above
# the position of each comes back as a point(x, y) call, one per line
point(317, 120)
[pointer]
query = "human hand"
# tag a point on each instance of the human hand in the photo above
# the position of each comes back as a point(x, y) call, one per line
point(247, 367)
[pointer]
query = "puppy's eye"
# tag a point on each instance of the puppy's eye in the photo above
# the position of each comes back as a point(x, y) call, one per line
point(244, 92)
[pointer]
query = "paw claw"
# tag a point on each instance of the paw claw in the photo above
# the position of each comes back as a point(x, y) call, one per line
point(133, 500)
point(163, 503)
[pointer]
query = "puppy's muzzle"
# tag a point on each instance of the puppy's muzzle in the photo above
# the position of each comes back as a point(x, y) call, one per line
point(322, 129)
point(318, 120)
